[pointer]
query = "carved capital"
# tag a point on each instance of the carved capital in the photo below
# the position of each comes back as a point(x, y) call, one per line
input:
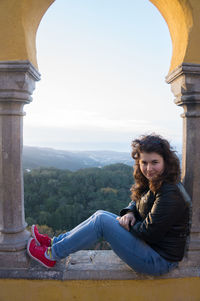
point(17, 81)
point(185, 85)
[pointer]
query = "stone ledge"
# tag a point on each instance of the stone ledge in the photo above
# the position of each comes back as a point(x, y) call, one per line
point(92, 265)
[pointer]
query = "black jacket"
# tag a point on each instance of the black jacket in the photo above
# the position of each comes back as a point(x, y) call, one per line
point(163, 220)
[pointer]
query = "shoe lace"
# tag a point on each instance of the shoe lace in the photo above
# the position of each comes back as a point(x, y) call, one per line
point(49, 252)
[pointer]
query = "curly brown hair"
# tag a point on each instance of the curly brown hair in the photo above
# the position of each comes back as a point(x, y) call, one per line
point(148, 144)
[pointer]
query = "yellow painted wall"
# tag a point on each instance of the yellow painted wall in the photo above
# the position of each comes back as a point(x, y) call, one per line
point(19, 21)
point(187, 289)
point(178, 16)
point(182, 18)
point(193, 50)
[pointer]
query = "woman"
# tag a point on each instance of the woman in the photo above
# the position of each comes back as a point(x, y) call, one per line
point(150, 234)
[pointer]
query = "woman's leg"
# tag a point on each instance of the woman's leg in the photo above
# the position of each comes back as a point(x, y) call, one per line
point(63, 235)
point(136, 253)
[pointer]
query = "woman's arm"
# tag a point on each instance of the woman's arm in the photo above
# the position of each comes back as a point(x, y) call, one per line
point(127, 221)
point(130, 208)
point(166, 210)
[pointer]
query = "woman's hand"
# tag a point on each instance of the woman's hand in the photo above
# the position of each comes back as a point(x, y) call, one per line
point(127, 220)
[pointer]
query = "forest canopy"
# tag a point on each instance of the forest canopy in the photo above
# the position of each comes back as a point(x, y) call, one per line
point(61, 199)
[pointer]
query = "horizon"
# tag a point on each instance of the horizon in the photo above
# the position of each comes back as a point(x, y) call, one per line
point(89, 150)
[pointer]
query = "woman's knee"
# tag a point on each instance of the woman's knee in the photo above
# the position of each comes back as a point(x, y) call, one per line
point(100, 212)
point(102, 216)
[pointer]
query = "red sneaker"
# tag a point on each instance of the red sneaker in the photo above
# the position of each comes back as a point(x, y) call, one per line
point(38, 253)
point(42, 240)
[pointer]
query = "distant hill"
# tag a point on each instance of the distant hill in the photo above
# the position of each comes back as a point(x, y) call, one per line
point(35, 157)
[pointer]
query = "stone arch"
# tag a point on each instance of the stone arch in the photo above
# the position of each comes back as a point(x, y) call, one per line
point(19, 41)
point(178, 16)
point(19, 21)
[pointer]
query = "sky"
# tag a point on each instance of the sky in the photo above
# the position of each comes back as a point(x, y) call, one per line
point(103, 65)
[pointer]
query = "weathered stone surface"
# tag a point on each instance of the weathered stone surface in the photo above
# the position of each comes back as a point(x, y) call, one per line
point(95, 265)
point(13, 260)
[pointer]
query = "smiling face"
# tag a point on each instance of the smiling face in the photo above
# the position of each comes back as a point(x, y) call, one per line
point(151, 165)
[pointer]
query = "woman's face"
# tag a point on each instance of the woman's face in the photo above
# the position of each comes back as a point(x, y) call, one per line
point(151, 165)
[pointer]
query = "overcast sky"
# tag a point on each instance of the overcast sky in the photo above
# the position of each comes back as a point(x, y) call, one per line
point(103, 65)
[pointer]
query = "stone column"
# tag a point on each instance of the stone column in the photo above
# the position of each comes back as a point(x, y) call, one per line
point(17, 82)
point(185, 84)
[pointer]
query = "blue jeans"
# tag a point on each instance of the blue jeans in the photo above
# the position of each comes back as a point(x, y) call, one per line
point(132, 250)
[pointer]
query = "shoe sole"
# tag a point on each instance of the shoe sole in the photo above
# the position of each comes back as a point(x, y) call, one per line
point(46, 266)
point(33, 234)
